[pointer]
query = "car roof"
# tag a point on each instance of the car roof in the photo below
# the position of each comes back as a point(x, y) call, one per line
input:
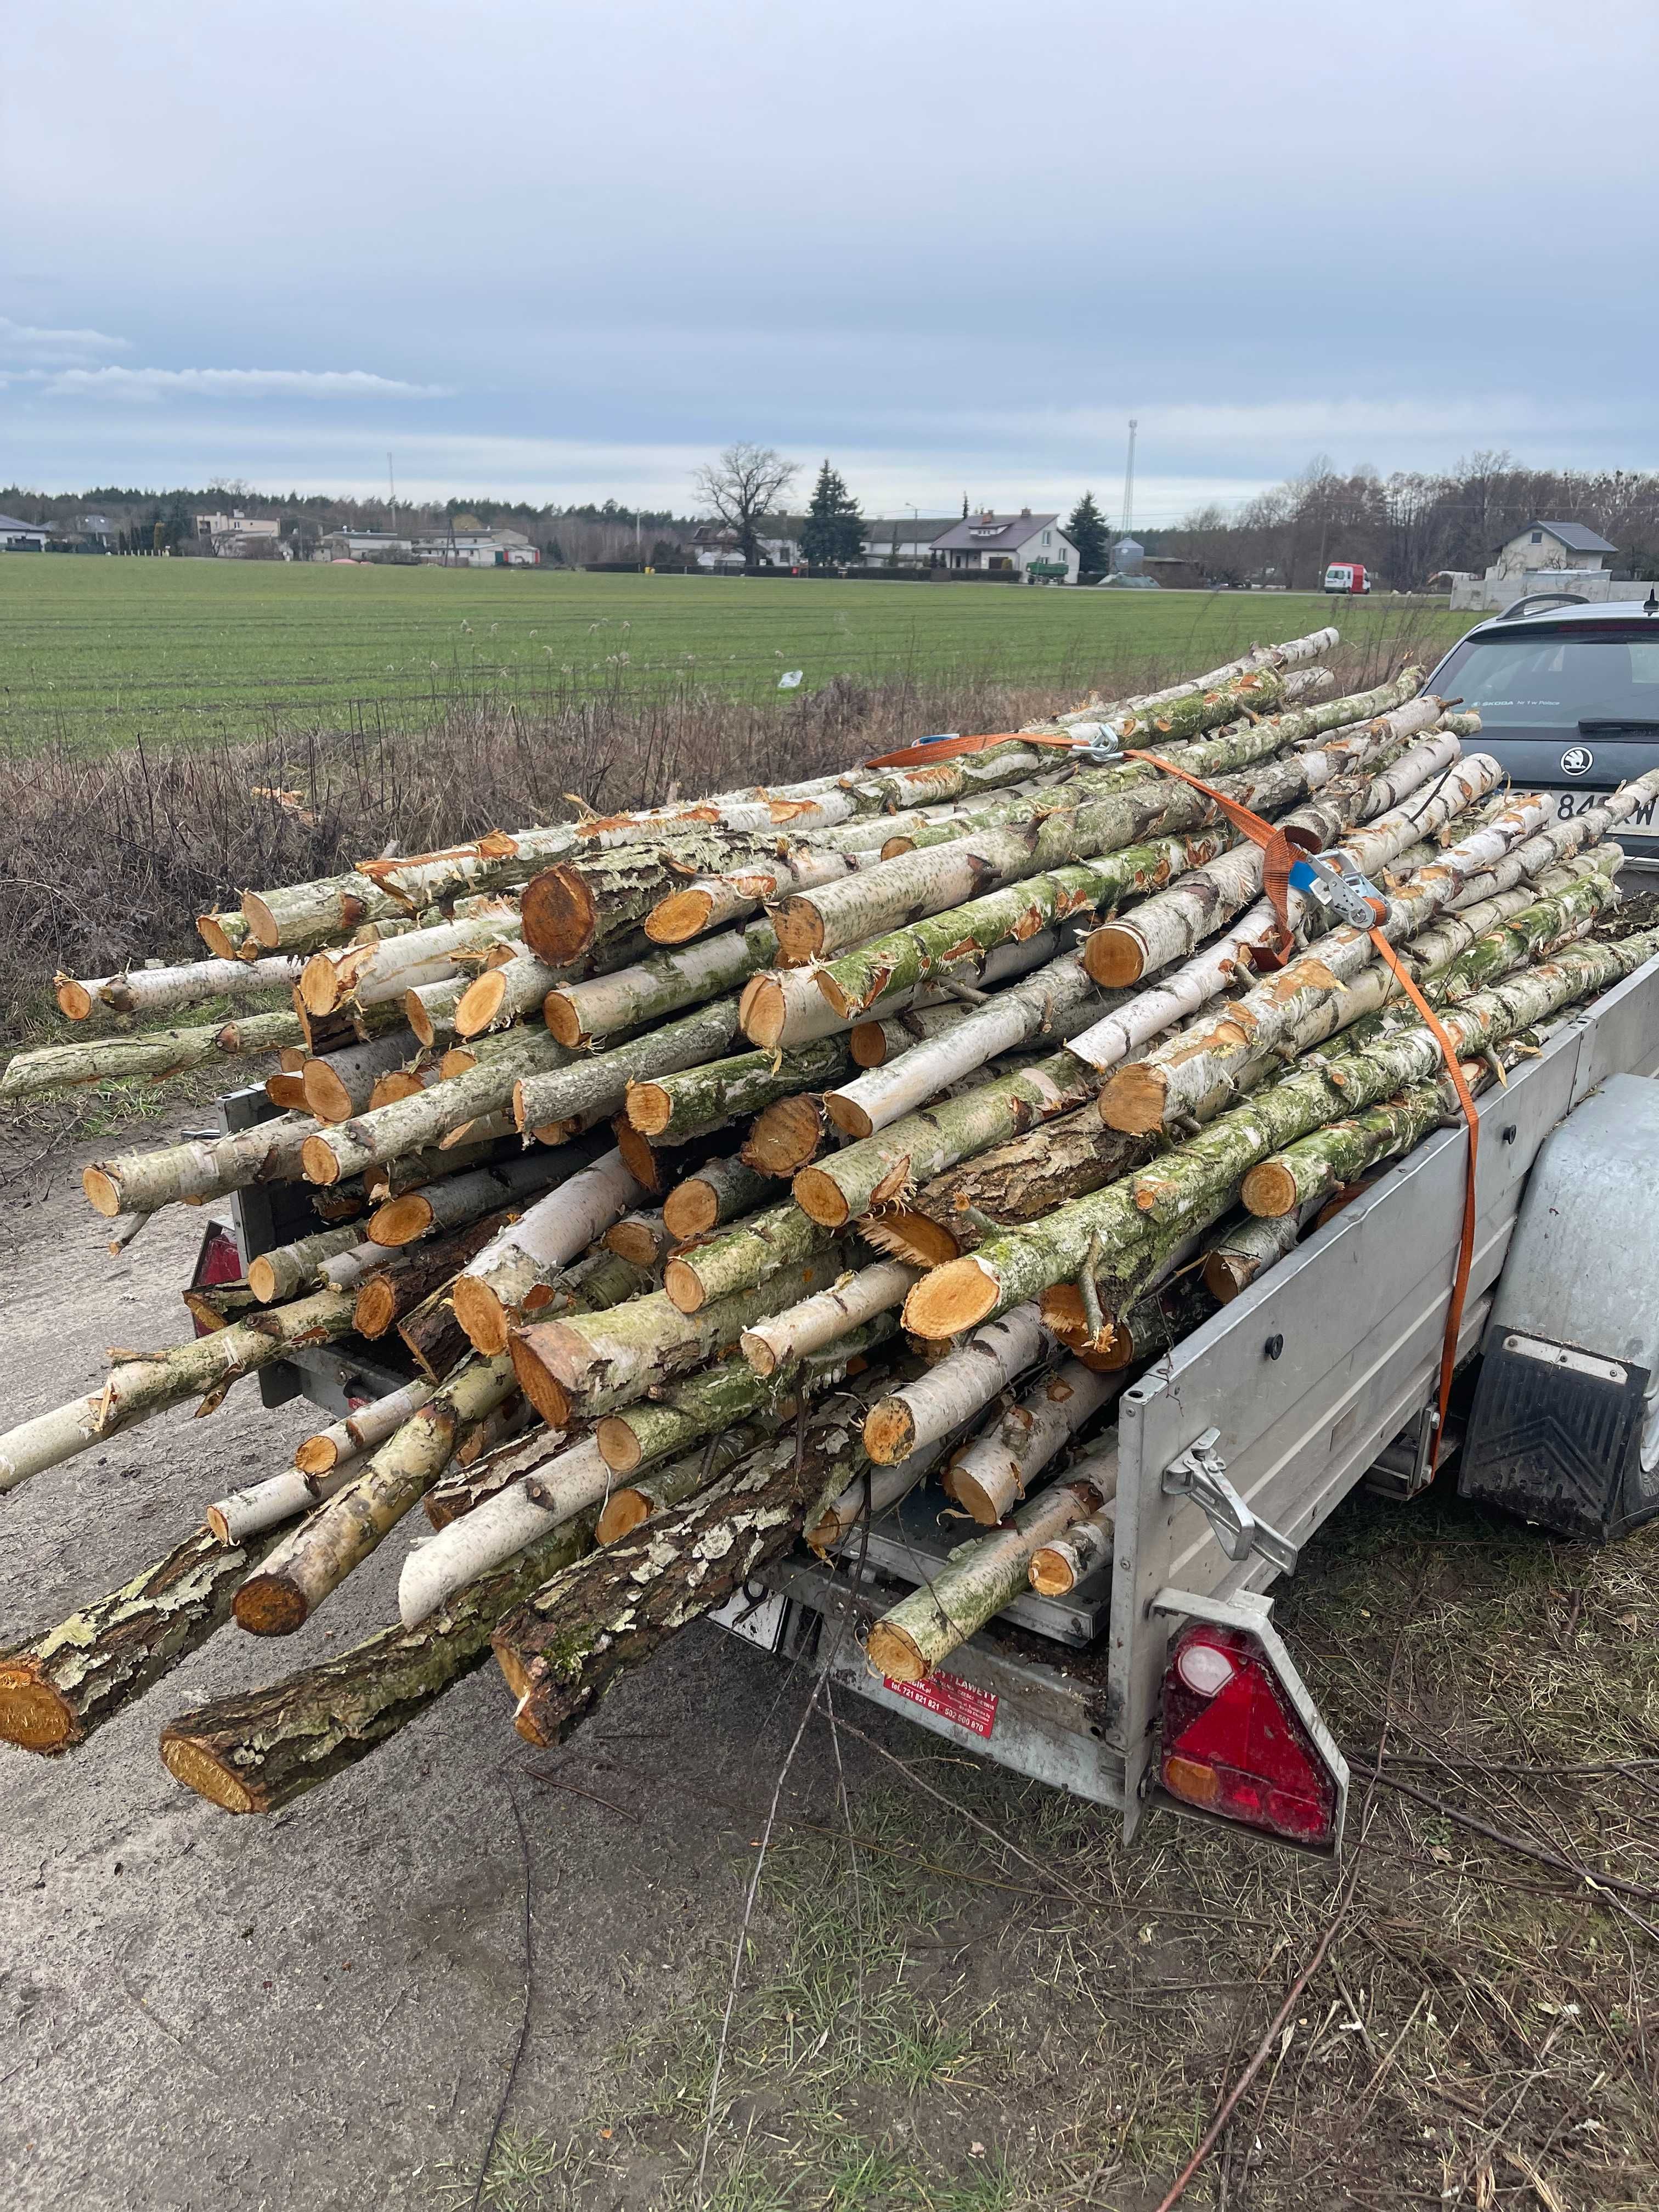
point(1549, 618)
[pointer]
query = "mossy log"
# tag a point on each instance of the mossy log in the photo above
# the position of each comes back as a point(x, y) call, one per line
point(408, 1125)
point(136, 1388)
point(1320, 1163)
point(566, 1645)
point(738, 1258)
point(720, 1191)
point(502, 1281)
point(635, 997)
point(288, 1269)
point(303, 1569)
point(56, 1690)
point(669, 1108)
point(597, 1083)
point(1242, 1248)
point(989, 1474)
point(257, 1751)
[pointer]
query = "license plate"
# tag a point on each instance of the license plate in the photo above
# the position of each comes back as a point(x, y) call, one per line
point(1570, 803)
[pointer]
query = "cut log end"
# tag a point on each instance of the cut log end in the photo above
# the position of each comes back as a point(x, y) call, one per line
point(958, 1296)
point(286, 1091)
point(262, 1278)
point(480, 1003)
point(761, 1355)
point(100, 1189)
point(399, 1221)
point(620, 1516)
point(646, 1166)
point(1050, 1571)
point(787, 1135)
point(681, 1281)
point(839, 997)
point(324, 1094)
point(320, 985)
point(269, 1605)
point(762, 1010)
point(74, 999)
point(1227, 1274)
point(679, 918)
point(1132, 1101)
point(199, 1769)
point(634, 1242)
point(316, 1159)
point(900, 1233)
point(1269, 1191)
point(420, 1020)
point(817, 1195)
point(890, 1432)
point(210, 928)
point(262, 923)
point(849, 1116)
point(376, 1309)
point(33, 1714)
point(799, 929)
point(892, 1653)
point(650, 1108)
point(986, 1495)
point(481, 1314)
point(1114, 956)
point(217, 1527)
point(868, 1045)
point(564, 1024)
point(619, 1448)
point(1063, 1312)
point(543, 1388)
point(559, 915)
point(691, 1209)
point(894, 849)
point(317, 1454)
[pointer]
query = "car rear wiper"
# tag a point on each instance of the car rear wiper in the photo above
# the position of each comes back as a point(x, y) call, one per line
point(1616, 722)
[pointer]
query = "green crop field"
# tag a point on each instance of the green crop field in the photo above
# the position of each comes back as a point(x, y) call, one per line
point(100, 653)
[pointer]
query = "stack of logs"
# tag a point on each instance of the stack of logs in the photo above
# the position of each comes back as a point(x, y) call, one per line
point(718, 1174)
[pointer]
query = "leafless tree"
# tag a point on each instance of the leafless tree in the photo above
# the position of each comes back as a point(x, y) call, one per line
point(741, 486)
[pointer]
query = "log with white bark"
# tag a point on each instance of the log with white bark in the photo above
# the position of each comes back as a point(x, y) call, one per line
point(140, 1183)
point(1292, 653)
point(720, 1190)
point(989, 1476)
point(288, 1269)
point(872, 1492)
point(408, 1276)
point(825, 1317)
point(363, 1429)
point(257, 1751)
point(498, 1286)
point(407, 1125)
point(1058, 1566)
point(371, 974)
point(136, 1388)
point(738, 1258)
point(783, 1007)
point(299, 1574)
point(297, 918)
point(563, 1649)
point(548, 1481)
point(955, 1387)
point(872, 1044)
point(1319, 1164)
point(1243, 1248)
point(341, 1084)
point(596, 1084)
point(266, 1505)
point(592, 1364)
point(979, 1577)
point(164, 990)
point(154, 1056)
point(670, 1481)
point(1193, 1184)
point(56, 1690)
point(669, 1109)
point(457, 1199)
point(580, 1013)
point(589, 898)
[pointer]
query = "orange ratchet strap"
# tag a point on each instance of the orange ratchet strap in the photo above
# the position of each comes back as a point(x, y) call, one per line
point(1279, 848)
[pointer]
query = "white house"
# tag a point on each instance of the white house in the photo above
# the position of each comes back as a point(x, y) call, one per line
point(1552, 545)
point(230, 534)
point(908, 544)
point(1546, 556)
point(1033, 546)
point(17, 537)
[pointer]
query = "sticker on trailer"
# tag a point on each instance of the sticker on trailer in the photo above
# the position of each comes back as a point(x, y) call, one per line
point(963, 1703)
point(755, 1614)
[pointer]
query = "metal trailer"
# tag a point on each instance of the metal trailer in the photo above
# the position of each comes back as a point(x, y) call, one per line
point(1233, 1448)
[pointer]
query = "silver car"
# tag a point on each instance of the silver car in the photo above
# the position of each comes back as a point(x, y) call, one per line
point(1569, 701)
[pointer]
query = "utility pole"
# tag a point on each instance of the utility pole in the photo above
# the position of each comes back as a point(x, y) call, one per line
point(391, 487)
point(1129, 481)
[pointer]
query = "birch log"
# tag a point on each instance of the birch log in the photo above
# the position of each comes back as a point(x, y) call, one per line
point(979, 1578)
point(341, 1084)
point(746, 1254)
point(548, 1482)
point(720, 1191)
point(288, 1269)
point(1058, 1566)
point(826, 1317)
point(669, 1108)
point(165, 990)
point(782, 1008)
point(500, 994)
point(584, 901)
point(955, 1387)
point(409, 1124)
point(458, 1198)
point(153, 1057)
point(597, 1083)
point(363, 1429)
point(301, 1570)
point(410, 1275)
point(299, 918)
point(499, 1284)
point(264, 1506)
point(370, 975)
point(258, 1752)
point(580, 1013)
point(989, 1475)
point(592, 1364)
point(1244, 1248)
point(871, 1493)
point(57, 1690)
point(136, 1388)
point(670, 1481)
point(1320, 1163)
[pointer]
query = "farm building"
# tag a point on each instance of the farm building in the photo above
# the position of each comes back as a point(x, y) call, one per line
point(1027, 544)
point(19, 536)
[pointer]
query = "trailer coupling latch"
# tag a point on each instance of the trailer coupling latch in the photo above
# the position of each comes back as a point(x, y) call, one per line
point(1199, 1473)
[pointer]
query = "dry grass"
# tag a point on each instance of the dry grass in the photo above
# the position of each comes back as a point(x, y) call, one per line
point(932, 2021)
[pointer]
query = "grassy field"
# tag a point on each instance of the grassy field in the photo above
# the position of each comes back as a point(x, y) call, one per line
point(99, 654)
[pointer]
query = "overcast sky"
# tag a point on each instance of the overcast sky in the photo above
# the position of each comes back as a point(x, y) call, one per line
point(564, 250)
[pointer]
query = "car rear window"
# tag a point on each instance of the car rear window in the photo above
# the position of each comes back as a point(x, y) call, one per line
point(1545, 681)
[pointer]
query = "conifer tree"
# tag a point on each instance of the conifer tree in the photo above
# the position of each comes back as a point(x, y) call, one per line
point(833, 537)
point(1086, 528)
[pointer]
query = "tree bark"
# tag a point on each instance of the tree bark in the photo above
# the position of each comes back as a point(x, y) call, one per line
point(989, 1474)
point(979, 1578)
point(566, 1645)
point(433, 1337)
point(955, 1387)
point(731, 894)
point(597, 1083)
point(371, 973)
point(1192, 1184)
point(136, 1388)
point(720, 1191)
point(1059, 1566)
point(257, 1751)
point(827, 1317)
point(458, 1199)
point(673, 1480)
point(1320, 1163)
point(592, 1364)
point(783, 1007)
point(669, 1108)
point(299, 1574)
point(1025, 1179)
point(843, 1185)
point(667, 983)
point(157, 1056)
point(528, 1491)
point(290, 1268)
point(497, 997)
point(56, 1691)
point(409, 1124)
point(501, 1282)
point(165, 990)
point(262, 1507)
point(406, 1278)
point(299, 918)
point(588, 898)
point(363, 1430)
point(739, 1258)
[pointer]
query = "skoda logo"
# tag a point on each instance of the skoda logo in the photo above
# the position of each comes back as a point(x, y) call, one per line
point(1577, 759)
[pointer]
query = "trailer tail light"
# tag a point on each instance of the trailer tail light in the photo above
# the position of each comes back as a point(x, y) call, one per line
point(1235, 1744)
point(217, 1261)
